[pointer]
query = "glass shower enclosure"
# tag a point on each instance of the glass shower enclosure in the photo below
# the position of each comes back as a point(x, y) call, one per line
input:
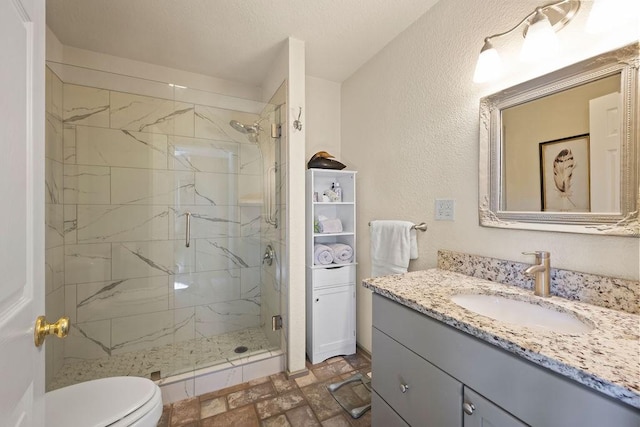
point(161, 201)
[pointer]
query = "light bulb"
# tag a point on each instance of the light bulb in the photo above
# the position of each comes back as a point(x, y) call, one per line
point(489, 66)
point(541, 41)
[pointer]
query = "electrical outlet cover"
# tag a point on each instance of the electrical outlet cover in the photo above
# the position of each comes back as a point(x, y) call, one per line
point(445, 209)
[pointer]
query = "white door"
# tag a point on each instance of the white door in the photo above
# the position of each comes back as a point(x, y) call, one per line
point(22, 214)
point(604, 152)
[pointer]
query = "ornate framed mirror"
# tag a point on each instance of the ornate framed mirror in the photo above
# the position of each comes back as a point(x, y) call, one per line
point(560, 152)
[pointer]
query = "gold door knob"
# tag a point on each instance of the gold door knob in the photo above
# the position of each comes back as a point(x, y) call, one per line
point(43, 328)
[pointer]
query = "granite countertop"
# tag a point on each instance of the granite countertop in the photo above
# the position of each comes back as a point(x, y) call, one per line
point(607, 359)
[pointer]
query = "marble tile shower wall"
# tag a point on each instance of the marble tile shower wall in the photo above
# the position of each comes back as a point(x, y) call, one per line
point(54, 235)
point(133, 166)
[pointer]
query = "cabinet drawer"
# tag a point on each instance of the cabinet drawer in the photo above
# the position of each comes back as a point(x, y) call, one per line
point(333, 276)
point(419, 392)
point(382, 415)
point(485, 413)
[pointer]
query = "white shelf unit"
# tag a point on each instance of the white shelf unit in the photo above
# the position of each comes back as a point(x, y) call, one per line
point(331, 291)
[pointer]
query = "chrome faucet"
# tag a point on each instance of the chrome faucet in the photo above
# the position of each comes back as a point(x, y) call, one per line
point(541, 273)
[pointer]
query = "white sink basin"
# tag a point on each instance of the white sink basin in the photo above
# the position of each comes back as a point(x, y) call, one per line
point(522, 313)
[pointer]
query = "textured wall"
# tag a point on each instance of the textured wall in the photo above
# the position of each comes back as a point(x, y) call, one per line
point(410, 128)
point(323, 117)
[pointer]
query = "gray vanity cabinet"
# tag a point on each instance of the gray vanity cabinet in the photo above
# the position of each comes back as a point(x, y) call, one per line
point(440, 368)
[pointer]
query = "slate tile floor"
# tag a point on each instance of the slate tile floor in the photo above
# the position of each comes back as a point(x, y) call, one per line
point(276, 401)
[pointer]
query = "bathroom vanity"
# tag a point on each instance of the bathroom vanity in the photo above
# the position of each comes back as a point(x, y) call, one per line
point(436, 363)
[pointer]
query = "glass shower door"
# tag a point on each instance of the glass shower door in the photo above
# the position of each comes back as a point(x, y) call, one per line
point(224, 285)
point(148, 292)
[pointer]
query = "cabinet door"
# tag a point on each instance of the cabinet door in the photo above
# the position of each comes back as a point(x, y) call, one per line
point(420, 393)
point(479, 412)
point(333, 319)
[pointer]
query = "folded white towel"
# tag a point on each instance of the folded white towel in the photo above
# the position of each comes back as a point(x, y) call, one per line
point(322, 254)
point(390, 247)
point(330, 225)
point(342, 254)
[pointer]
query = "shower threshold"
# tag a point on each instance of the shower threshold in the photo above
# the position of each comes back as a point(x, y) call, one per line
point(169, 360)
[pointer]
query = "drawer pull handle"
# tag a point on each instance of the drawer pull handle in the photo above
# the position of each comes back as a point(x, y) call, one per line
point(404, 388)
point(317, 299)
point(468, 408)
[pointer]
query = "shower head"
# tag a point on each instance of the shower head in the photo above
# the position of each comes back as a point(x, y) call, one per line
point(246, 129)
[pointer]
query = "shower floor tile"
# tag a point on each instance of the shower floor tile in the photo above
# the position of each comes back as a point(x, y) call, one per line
point(171, 359)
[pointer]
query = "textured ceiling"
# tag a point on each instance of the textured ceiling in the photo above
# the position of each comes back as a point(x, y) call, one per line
point(235, 39)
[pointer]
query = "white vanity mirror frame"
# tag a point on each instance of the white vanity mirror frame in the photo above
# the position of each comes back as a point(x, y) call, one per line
point(623, 223)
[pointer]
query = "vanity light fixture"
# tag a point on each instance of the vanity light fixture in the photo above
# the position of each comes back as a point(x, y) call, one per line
point(540, 41)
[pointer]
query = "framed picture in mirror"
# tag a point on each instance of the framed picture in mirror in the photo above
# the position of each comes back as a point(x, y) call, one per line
point(564, 174)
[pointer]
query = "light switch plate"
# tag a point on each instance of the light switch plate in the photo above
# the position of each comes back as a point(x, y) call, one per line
point(445, 209)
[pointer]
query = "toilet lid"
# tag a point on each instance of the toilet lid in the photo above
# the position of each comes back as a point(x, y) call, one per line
point(98, 402)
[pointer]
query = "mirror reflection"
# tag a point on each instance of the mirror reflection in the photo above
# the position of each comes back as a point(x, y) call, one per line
point(561, 152)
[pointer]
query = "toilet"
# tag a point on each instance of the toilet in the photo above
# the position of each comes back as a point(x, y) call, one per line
point(113, 402)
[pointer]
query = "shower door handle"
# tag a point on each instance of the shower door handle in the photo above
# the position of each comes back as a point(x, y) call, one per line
point(188, 227)
point(271, 184)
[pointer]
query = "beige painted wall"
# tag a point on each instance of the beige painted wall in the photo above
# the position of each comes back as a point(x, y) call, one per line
point(546, 119)
point(294, 277)
point(323, 117)
point(410, 129)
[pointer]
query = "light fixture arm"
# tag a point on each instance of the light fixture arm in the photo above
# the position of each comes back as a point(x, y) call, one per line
point(526, 18)
point(565, 17)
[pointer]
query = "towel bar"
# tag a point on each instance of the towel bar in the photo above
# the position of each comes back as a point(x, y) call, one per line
point(422, 226)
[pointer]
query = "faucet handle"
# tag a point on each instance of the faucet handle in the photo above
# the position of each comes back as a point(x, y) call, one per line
point(538, 254)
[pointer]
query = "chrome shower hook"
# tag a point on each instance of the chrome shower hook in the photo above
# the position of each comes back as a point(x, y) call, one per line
point(297, 124)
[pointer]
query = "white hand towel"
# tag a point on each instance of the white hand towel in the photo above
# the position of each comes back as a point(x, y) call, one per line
point(414, 244)
point(342, 253)
point(390, 247)
point(330, 225)
point(322, 254)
